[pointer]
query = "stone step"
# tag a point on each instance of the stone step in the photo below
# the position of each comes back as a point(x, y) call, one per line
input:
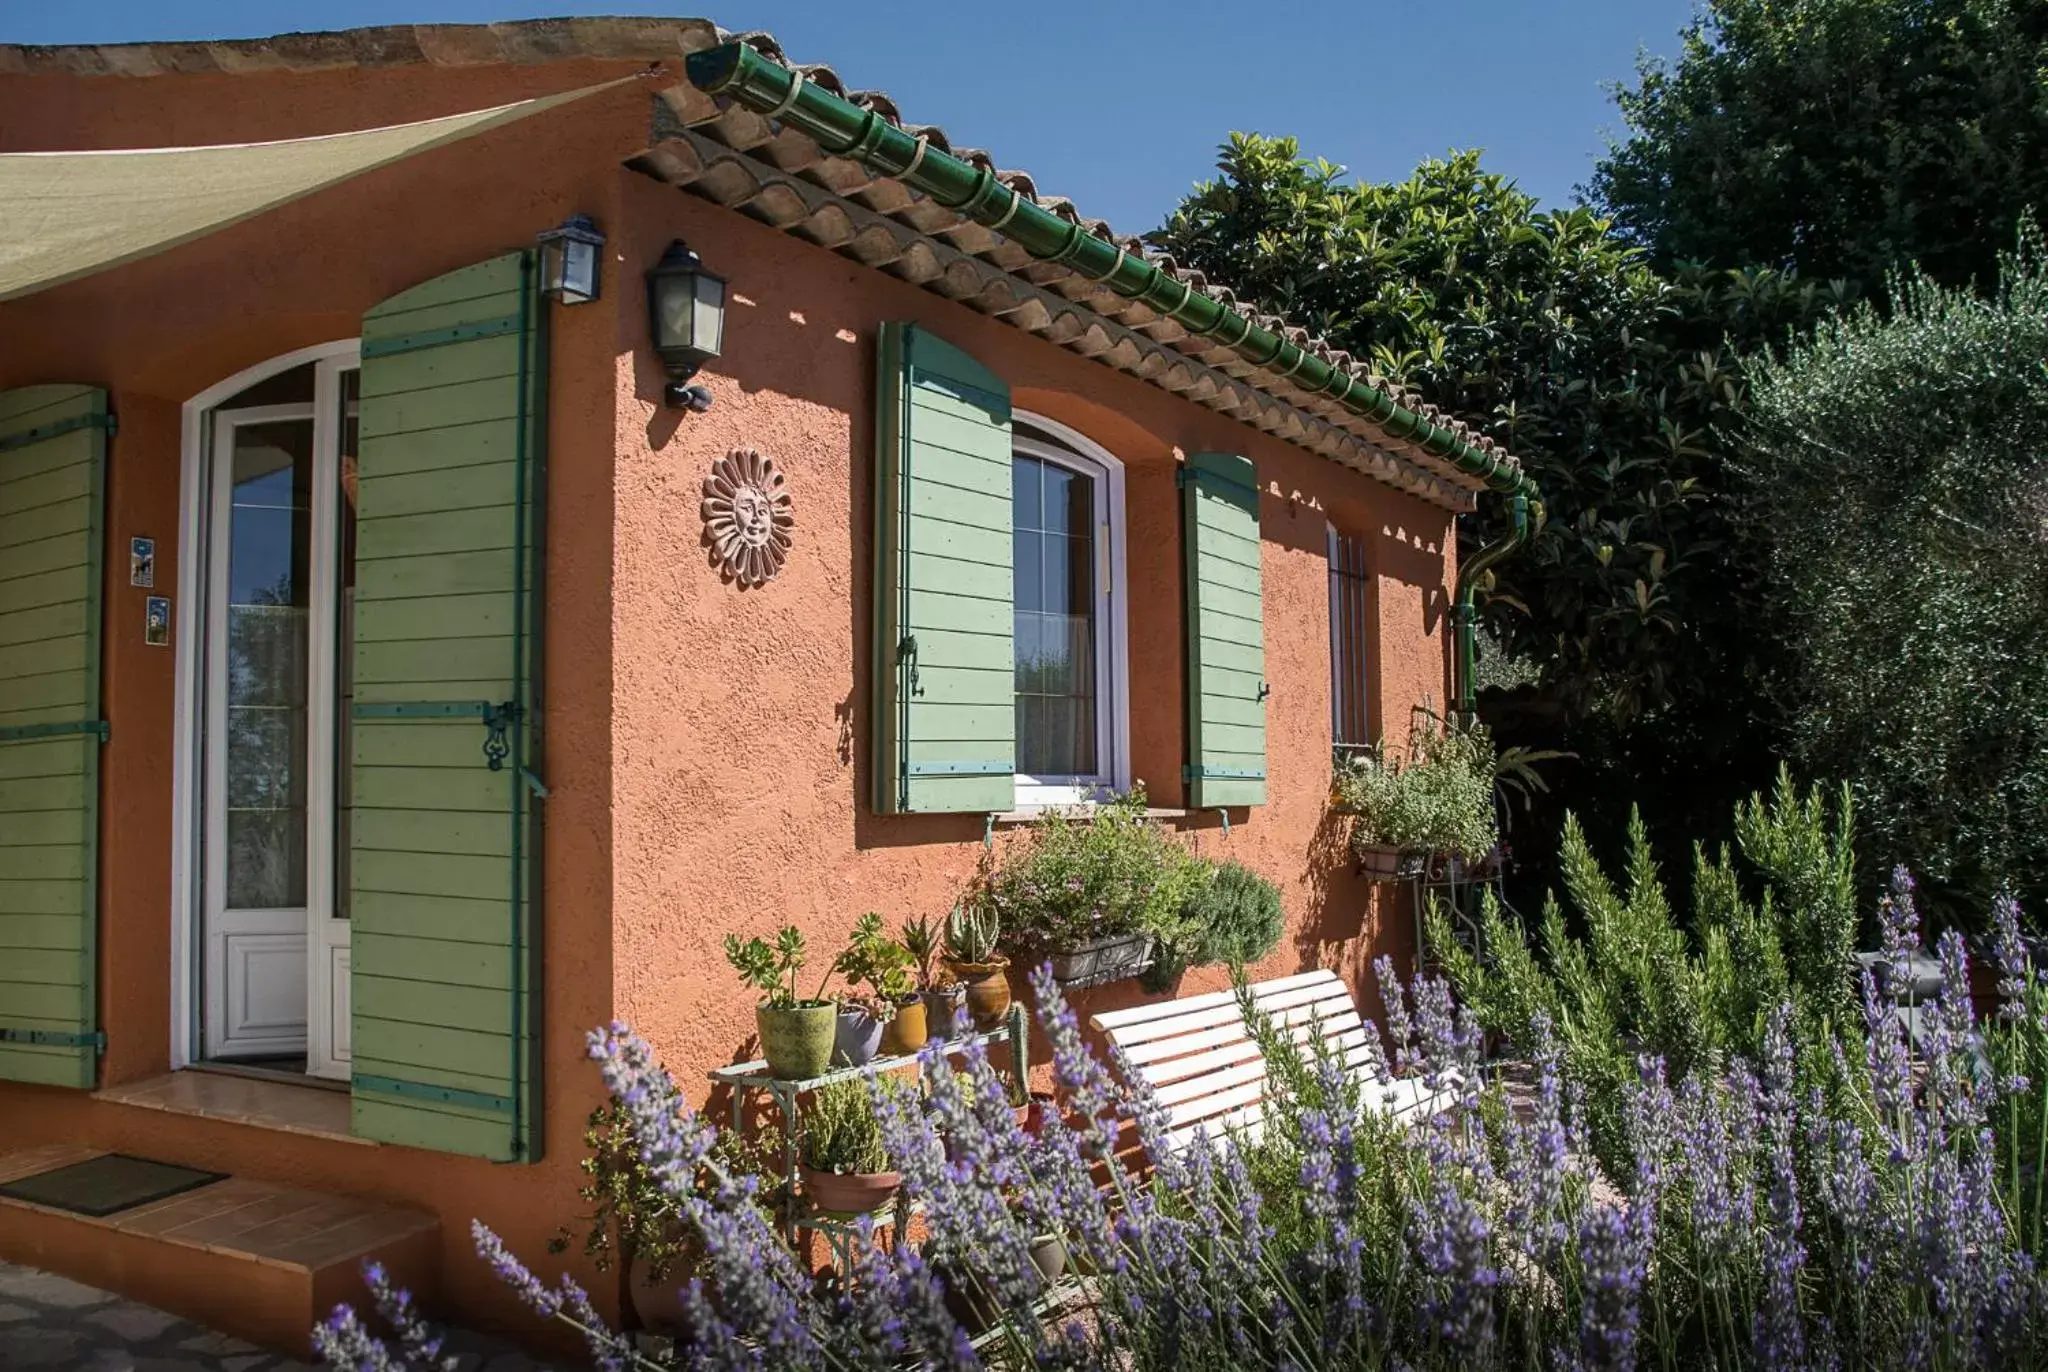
point(254, 1259)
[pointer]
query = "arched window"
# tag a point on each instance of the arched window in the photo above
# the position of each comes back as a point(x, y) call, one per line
point(1073, 731)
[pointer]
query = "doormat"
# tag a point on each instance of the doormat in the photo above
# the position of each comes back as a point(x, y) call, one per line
point(107, 1185)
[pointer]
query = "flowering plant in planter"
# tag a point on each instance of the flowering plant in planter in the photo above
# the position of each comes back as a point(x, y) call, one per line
point(1437, 802)
point(1094, 891)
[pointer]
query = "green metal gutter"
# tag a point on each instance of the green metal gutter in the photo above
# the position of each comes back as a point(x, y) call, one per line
point(1465, 613)
point(844, 129)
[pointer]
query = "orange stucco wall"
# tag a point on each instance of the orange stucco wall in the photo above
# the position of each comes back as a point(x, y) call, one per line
point(707, 746)
point(741, 717)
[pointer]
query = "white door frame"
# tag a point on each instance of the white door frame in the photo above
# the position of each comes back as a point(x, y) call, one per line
point(187, 758)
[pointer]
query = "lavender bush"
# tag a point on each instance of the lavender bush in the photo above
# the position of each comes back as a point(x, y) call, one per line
point(1841, 1198)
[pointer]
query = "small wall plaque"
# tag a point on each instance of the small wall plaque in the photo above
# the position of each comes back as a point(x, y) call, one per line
point(156, 621)
point(747, 517)
point(142, 562)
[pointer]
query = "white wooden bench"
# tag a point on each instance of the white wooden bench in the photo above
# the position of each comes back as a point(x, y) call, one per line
point(1197, 1054)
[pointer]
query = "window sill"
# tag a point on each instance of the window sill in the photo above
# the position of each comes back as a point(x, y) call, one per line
point(1081, 813)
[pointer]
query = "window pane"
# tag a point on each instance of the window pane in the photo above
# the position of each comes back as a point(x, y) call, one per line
point(1026, 507)
point(269, 551)
point(1056, 620)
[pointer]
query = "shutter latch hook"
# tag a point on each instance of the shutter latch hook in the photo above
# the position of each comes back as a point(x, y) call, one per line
point(497, 719)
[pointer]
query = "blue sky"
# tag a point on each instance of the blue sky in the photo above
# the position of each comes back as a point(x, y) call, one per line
point(1119, 106)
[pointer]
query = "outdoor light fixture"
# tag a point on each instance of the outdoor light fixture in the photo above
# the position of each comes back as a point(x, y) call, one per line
point(687, 307)
point(569, 260)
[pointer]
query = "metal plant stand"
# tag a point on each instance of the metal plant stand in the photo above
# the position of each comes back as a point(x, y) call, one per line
point(841, 1231)
point(1460, 892)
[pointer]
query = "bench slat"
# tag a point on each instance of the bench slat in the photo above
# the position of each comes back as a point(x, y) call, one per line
point(1138, 1014)
point(1335, 1007)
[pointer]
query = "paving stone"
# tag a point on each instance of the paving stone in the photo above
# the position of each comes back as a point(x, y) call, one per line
point(10, 1312)
point(109, 1360)
point(133, 1323)
point(47, 1288)
point(23, 1346)
point(242, 1364)
point(219, 1345)
point(174, 1364)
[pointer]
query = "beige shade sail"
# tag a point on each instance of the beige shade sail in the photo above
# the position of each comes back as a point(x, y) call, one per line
point(64, 215)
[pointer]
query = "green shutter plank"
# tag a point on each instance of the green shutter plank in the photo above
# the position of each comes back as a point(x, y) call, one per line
point(1226, 632)
point(945, 713)
point(52, 478)
point(444, 992)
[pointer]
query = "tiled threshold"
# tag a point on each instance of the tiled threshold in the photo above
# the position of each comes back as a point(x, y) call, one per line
point(263, 1104)
point(254, 1259)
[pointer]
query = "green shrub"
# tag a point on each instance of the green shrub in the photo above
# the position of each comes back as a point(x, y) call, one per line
point(1899, 492)
point(1233, 916)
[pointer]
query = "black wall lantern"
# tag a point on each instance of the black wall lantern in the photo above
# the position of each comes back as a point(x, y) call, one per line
point(686, 307)
point(569, 268)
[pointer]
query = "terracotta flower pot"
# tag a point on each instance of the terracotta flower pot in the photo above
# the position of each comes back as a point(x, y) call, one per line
point(907, 1032)
point(1039, 1112)
point(797, 1039)
point(857, 1034)
point(988, 990)
point(658, 1303)
point(943, 1015)
point(850, 1193)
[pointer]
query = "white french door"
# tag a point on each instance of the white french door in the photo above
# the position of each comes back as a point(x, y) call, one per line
point(274, 838)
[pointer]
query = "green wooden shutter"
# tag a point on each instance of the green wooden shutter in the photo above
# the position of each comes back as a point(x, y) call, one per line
point(444, 991)
point(945, 663)
point(53, 448)
point(1226, 633)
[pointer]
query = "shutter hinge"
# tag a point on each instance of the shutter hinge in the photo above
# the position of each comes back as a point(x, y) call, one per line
point(22, 733)
point(57, 1038)
point(21, 439)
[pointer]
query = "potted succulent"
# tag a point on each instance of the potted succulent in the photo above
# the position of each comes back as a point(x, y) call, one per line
point(880, 964)
point(796, 1035)
point(938, 992)
point(845, 1165)
point(972, 930)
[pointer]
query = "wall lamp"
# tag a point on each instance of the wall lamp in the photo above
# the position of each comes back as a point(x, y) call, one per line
point(686, 305)
point(569, 260)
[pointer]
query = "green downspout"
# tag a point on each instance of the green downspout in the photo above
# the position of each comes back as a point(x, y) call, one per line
point(845, 130)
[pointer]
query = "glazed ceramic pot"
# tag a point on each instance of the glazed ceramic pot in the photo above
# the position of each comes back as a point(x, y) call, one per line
point(988, 990)
point(797, 1040)
point(856, 1038)
point(906, 1033)
point(850, 1193)
point(658, 1303)
point(943, 1012)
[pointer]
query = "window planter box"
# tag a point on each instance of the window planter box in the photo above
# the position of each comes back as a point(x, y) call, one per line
point(1104, 959)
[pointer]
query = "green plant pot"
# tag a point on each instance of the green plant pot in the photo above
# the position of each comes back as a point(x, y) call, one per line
point(797, 1040)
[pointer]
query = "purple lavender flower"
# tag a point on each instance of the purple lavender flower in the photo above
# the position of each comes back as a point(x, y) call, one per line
point(1611, 1268)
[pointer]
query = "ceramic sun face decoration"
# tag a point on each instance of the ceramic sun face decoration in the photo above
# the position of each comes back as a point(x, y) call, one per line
point(747, 517)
